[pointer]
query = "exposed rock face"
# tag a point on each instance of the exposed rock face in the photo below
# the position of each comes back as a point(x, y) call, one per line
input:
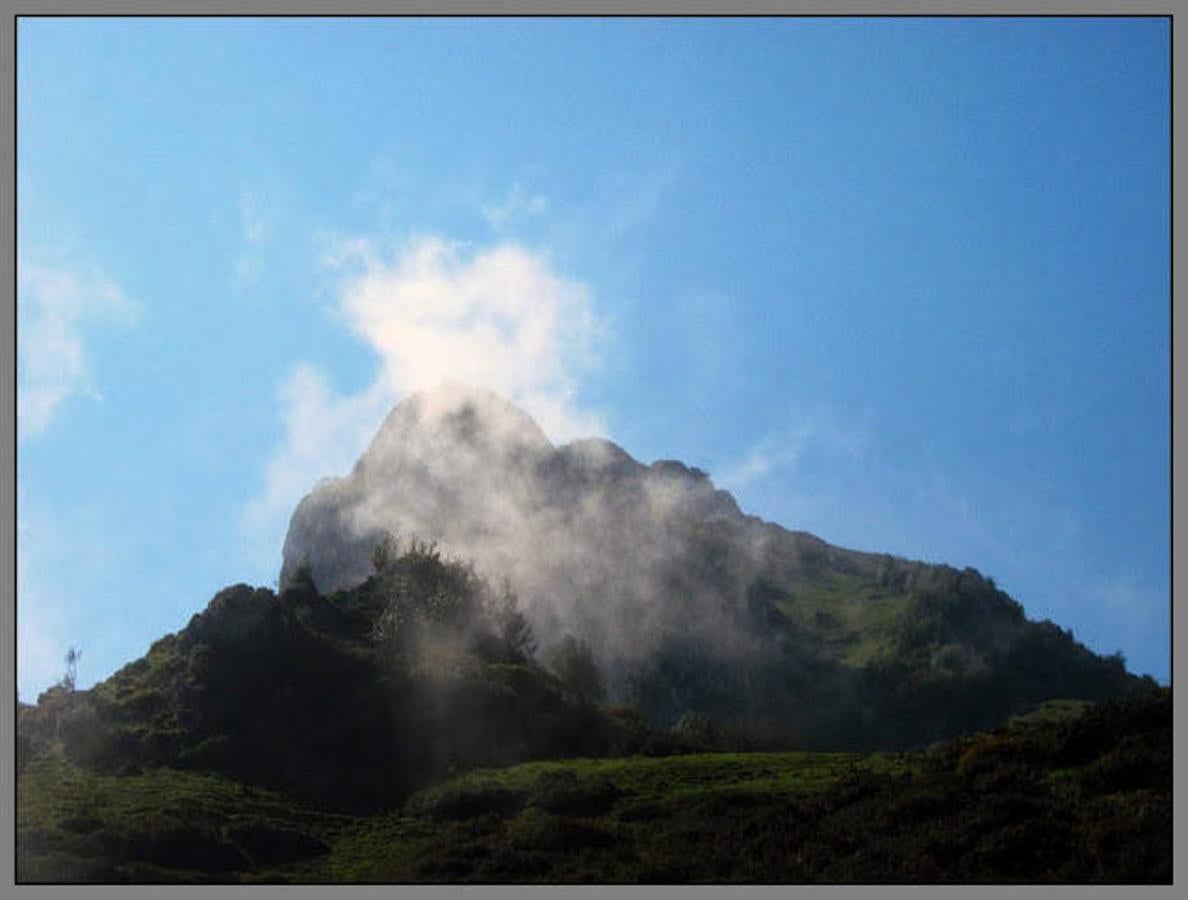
point(444, 466)
point(584, 532)
point(686, 602)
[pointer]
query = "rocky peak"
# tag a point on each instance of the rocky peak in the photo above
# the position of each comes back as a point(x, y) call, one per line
point(454, 419)
point(472, 471)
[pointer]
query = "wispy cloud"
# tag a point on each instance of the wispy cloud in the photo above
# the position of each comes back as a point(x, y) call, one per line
point(1131, 601)
point(761, 460)
point(517, 205)
point(58, 309)
point(498, 317)
point(254, 231)
point(386, 188)
point(782, 449)
point(715, 344)
point(433, 312)
point(324, 432)
point(638, 195)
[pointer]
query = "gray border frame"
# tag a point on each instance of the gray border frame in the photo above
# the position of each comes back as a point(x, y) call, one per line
point(13, 8)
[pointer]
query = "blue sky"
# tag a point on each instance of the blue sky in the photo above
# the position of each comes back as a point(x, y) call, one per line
point(901, 283)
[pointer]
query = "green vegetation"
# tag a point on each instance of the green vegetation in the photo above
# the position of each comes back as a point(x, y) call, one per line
point(350, 702)
point(574, 664)
point(74, 824)
point(1067, 795)
point(405, 731)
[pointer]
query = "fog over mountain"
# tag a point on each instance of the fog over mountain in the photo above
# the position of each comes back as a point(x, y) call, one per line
point(378, 672)
point(687, 602)
point(588, 537)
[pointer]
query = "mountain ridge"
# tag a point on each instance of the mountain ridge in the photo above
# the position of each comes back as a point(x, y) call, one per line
point(664, 576)
point(681, 625)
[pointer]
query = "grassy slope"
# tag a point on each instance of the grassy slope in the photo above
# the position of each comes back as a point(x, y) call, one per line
point(608, 820)
point(847, 616)
point(561, 820)
point(160, 825)
point(1069, 793)
point(288, 692)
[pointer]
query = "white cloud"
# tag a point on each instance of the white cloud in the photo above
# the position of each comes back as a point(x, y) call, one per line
point(254, 228)
point(57, 307)
point(518, 204)
point(638, 195)
point(324, 434)
point(782, 449)
point(498, 318)
point(760, 460)
point(343, 252)
point(386, 189)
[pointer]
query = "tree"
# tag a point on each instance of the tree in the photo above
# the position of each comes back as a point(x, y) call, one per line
point(512, 627)
point(385, 553)
point(698, 728)
point(573, 663)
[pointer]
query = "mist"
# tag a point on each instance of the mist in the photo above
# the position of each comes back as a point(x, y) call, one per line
point(629, 558)
point(430, 311)
point(686, 603)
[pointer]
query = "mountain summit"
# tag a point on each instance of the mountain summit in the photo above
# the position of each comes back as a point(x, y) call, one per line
point(643, 614)
point(476, 475)
point(688, 604)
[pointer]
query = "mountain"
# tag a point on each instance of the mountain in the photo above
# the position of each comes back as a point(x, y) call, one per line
point(349, 701)
point(690, 606)
point(493, 659)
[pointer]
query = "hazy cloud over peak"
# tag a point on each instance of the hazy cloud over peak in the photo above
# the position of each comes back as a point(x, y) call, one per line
point(434, 312)
point(498, 318)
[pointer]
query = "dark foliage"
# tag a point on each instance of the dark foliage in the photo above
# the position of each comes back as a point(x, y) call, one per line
point(573, 663)
point(351, 701)
point(563, 793)
point(354, 702)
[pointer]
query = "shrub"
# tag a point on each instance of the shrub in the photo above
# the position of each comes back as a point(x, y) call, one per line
point(168, 841)
point(385, 553)
point(469, 802)
point(512, 628)
point(269, 844)
point(573, 663)
point(699, 729)
point(562, 792)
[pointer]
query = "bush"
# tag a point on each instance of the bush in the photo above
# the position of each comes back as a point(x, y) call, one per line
point(269, 844)
point(562, 792)
point(698, 728)
point(469, 802)
point(573, 663)
point(385, 553)
point(168, 841)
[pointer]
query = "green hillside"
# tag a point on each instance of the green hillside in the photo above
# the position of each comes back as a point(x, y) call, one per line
point(407, 730)
point(1068, 794)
